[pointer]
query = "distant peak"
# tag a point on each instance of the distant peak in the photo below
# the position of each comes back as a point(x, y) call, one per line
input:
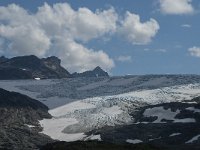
point(98, 68)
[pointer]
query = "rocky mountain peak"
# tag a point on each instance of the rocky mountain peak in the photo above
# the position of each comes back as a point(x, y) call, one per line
point(100, 72)
point(96, 72)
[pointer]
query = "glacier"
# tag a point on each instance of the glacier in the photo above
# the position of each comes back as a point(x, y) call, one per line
point(79, 105)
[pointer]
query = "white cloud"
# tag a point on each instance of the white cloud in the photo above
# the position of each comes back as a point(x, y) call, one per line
point(63, 31)
point(176, 7)
point(186, 26)
point(194, 51)
point(53, 30)
point(138, 32)
point(25, 39)
point(82, 58)
point(124, 58)
point(82, 24)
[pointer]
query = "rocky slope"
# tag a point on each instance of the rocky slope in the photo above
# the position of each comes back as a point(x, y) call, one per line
point(19, 121)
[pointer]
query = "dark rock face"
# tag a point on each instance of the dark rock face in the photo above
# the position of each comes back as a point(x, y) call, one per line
point(30, 67)
point(3, 59)
point(17, 112)
point(97, 72)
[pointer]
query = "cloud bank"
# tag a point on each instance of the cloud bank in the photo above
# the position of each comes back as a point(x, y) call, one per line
point(62, 31)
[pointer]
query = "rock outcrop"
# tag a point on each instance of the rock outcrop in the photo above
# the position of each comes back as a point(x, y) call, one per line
point(97, 72)
point(19, 121)
point(31, 67)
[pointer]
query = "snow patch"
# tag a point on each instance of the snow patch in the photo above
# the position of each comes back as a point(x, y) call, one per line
point(93, 137)
point(161, 113)
point(30, 126)
point(136, 141)
point(193, 139)
point(186, 120)
point(174, 134)
point(193, 109)
point(37, 78)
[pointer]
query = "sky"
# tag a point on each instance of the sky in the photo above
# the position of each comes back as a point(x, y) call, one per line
point(122, 37)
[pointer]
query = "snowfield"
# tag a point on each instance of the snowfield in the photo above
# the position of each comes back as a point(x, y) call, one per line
point(80, 105)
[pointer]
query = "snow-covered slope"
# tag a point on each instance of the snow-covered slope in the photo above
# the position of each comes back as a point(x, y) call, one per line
point(83, 104)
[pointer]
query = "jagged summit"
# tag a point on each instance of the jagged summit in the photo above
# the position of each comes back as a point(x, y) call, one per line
point(96, 72)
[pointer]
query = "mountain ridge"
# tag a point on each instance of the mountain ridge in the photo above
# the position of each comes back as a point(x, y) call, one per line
point(32, 67)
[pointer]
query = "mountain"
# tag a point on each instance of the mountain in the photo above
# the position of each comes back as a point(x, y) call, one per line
point(19, 121)
point(31, 67)
point(97, 72)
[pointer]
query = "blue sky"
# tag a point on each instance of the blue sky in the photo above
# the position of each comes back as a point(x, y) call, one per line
point(172, 47)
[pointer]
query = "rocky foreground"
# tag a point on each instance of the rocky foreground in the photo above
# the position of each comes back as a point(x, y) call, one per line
point(19, 122)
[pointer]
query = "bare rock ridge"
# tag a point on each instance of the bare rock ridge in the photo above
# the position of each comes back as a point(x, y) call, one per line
point(19, 121)
point(32, 67)
point(97, 72)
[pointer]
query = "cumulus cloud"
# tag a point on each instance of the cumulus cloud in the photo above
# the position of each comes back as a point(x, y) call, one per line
point(62, 31)
point(176, 7)
point(137, 32)
point(82, 24)
point(86, 59)
point(124, 58)
point(53, 30)
point(194, 51)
